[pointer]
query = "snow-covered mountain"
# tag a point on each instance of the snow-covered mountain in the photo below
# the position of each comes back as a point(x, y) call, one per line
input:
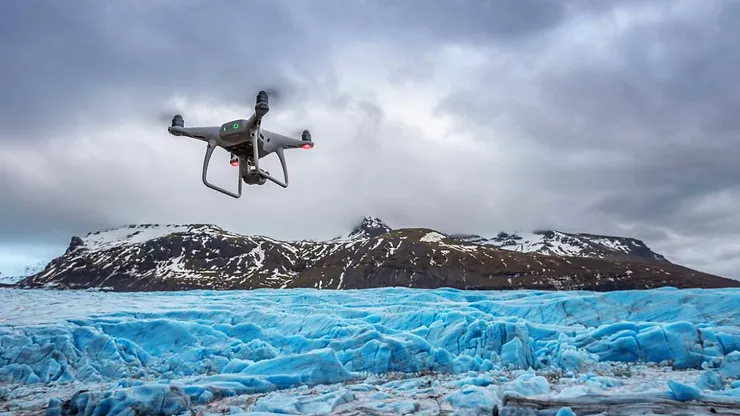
point(558, 243)
point(175, 257)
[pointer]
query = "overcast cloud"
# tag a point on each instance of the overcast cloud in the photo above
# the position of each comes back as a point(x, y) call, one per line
point(615, 117)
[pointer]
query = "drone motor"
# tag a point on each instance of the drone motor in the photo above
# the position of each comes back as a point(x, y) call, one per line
point(306, 137)
point(177, 121)
point(262, 106)
point(262, 97)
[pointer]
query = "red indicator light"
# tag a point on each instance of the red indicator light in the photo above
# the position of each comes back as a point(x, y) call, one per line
point(307, 146)
point(234, 162)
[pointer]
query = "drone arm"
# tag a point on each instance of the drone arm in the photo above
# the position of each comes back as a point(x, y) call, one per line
point(275, 140)
point(201, 133)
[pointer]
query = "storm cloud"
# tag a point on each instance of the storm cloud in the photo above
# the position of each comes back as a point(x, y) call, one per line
point(616, 117)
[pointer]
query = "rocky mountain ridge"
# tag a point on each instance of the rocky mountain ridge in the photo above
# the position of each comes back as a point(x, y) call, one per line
point(203, 256)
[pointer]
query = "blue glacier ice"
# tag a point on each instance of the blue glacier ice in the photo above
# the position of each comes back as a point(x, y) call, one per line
point(170, 351)
point(565, 411)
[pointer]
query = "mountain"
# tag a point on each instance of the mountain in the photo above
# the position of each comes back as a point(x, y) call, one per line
point(557, 243)
point(202, 256)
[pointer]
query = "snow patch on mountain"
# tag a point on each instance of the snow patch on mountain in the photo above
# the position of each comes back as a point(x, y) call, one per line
point(552, 243)
point(432, 237)
point(140, 233)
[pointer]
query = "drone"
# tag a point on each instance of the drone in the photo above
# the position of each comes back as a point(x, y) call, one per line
point(247, 142)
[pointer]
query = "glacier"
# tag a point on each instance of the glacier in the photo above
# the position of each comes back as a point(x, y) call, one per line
point(371, 351)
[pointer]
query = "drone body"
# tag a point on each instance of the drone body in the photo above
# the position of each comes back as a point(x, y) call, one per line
point(247, 142)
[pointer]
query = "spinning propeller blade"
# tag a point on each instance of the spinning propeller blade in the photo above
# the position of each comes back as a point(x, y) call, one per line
point(274, 93)
point(167, 115)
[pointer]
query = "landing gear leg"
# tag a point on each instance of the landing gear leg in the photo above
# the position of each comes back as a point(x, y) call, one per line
point(206, 162)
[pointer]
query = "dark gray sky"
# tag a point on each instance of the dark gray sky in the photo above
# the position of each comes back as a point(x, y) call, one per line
point(617, 117)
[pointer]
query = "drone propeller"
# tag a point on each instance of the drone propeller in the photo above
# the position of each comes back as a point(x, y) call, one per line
point(274, 92)
point(279, 94)
point(166, 116)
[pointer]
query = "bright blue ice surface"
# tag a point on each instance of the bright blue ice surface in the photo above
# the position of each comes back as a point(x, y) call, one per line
point(166, 352)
